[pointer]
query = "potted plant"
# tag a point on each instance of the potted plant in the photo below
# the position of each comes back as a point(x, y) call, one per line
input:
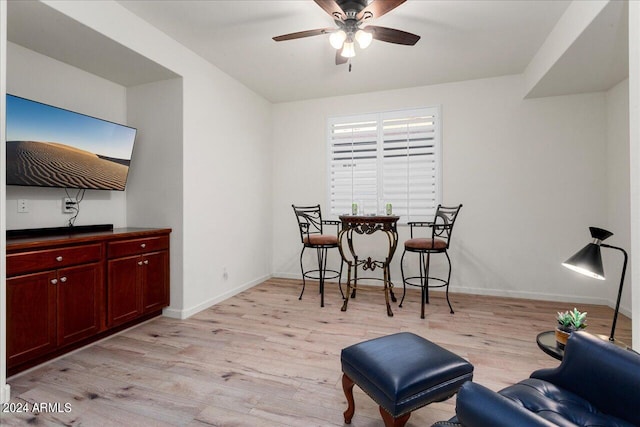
point(568, 322)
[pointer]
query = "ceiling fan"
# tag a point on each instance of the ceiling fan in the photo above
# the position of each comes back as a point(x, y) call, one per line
point(351, 18)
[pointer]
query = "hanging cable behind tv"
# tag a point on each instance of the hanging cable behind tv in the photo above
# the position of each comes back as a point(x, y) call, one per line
point(72, 204)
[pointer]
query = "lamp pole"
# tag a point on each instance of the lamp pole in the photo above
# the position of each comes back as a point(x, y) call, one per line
point(624, 269)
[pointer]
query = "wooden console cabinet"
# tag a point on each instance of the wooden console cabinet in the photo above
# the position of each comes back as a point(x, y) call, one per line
point(67, 291)
point(138, 277)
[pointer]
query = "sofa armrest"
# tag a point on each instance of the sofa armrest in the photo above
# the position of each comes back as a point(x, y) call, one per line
point(600, 372)
point(477, 406)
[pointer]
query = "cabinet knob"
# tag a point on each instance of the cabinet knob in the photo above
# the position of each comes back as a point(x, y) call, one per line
point(54, 281)
point(146, 261)
point(63, 279)
point(139, 262)
point(143, 245)
point(58, 258)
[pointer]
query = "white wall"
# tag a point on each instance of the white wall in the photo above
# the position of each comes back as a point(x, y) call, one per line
point(156, 110)
point(226, 180)
point(227, 190)
point(40, 78)
point(219, 202)
point(529, 173)
point(618, 190)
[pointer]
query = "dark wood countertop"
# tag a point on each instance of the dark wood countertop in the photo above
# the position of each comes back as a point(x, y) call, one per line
point(38, 242)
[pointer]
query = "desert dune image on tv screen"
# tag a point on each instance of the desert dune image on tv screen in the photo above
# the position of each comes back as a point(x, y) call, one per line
point(51, 147)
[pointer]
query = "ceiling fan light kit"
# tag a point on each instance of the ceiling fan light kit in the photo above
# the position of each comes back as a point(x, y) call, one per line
point(337, 38)
point(348, 50)
point(364, 38)
point(349, 15)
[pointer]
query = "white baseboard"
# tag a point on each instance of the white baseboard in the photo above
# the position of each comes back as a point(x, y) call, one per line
point(186, 313)
point(508, 293)
point(287, 276)
point(544, 297)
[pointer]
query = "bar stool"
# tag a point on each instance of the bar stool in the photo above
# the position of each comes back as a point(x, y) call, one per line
point(438, 242)
point(311, 224)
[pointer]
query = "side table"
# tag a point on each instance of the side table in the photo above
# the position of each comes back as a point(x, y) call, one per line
point(547, 343)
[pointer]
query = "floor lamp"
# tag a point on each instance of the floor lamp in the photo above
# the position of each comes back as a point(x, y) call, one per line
point(588, 261)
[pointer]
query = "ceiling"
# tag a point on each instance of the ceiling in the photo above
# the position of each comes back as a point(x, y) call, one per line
point(460, 40)
point(42, 29)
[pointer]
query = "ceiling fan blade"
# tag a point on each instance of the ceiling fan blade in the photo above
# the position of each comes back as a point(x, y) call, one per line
point(339, 58)
point(332, 8)
point(378, 8)
point(391, 35)
point(301, 34)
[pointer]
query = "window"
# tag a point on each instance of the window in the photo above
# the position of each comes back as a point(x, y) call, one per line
point(390, 157)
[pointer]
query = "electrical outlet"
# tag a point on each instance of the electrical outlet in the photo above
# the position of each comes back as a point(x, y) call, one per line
point(23, 206)
point(69, 205)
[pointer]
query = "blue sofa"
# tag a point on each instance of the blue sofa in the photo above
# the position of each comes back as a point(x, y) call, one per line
point(597, 384)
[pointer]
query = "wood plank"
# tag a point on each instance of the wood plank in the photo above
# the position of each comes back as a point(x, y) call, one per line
point(264, 358)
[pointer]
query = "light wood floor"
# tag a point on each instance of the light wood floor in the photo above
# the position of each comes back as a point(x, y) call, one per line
point(263, 358)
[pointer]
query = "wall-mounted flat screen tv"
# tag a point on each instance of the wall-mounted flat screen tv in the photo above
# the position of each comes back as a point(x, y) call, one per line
point(49, 146)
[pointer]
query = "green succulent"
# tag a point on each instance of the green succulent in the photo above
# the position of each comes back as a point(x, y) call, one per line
point(572, 320)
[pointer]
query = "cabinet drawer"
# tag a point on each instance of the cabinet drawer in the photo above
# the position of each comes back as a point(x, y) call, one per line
point(137, 246)
point(48, 259)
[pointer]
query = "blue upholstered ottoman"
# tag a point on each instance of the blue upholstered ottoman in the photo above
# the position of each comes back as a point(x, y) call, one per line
point(401, 373)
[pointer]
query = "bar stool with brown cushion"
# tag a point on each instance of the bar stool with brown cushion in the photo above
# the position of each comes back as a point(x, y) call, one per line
point(312, 235)
point(437, 242)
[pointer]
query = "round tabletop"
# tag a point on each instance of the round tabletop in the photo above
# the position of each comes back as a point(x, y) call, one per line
point(547, 343)
point(369, 218)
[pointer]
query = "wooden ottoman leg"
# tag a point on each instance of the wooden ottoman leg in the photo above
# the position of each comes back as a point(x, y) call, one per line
point(389, 421)
point(347, 386)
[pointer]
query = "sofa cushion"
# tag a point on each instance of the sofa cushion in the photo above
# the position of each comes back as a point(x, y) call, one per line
point(596, 385)
point(606, 375)
point(477, 406)
point(561, 407)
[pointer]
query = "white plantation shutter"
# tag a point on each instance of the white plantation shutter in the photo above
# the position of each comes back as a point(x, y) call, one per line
point(354, 162)
point(392, 157)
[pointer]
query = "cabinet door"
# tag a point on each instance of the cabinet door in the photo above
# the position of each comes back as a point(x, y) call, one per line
point(124, 299)
point(155, 282)
point(79, 301)
point(31, 316)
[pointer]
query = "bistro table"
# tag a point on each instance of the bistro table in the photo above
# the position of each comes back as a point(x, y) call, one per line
point(367, 225)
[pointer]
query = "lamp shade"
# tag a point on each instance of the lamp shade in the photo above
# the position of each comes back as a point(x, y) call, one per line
point(348, 50)
point(363, 38)
point(587, 261)
point(337, 38)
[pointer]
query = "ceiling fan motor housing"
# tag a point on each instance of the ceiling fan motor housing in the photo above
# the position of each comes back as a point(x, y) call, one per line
point(352, 5)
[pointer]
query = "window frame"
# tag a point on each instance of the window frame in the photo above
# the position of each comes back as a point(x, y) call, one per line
point(379, 117)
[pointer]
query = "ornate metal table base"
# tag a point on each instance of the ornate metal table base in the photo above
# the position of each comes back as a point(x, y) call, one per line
point(367, 225)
